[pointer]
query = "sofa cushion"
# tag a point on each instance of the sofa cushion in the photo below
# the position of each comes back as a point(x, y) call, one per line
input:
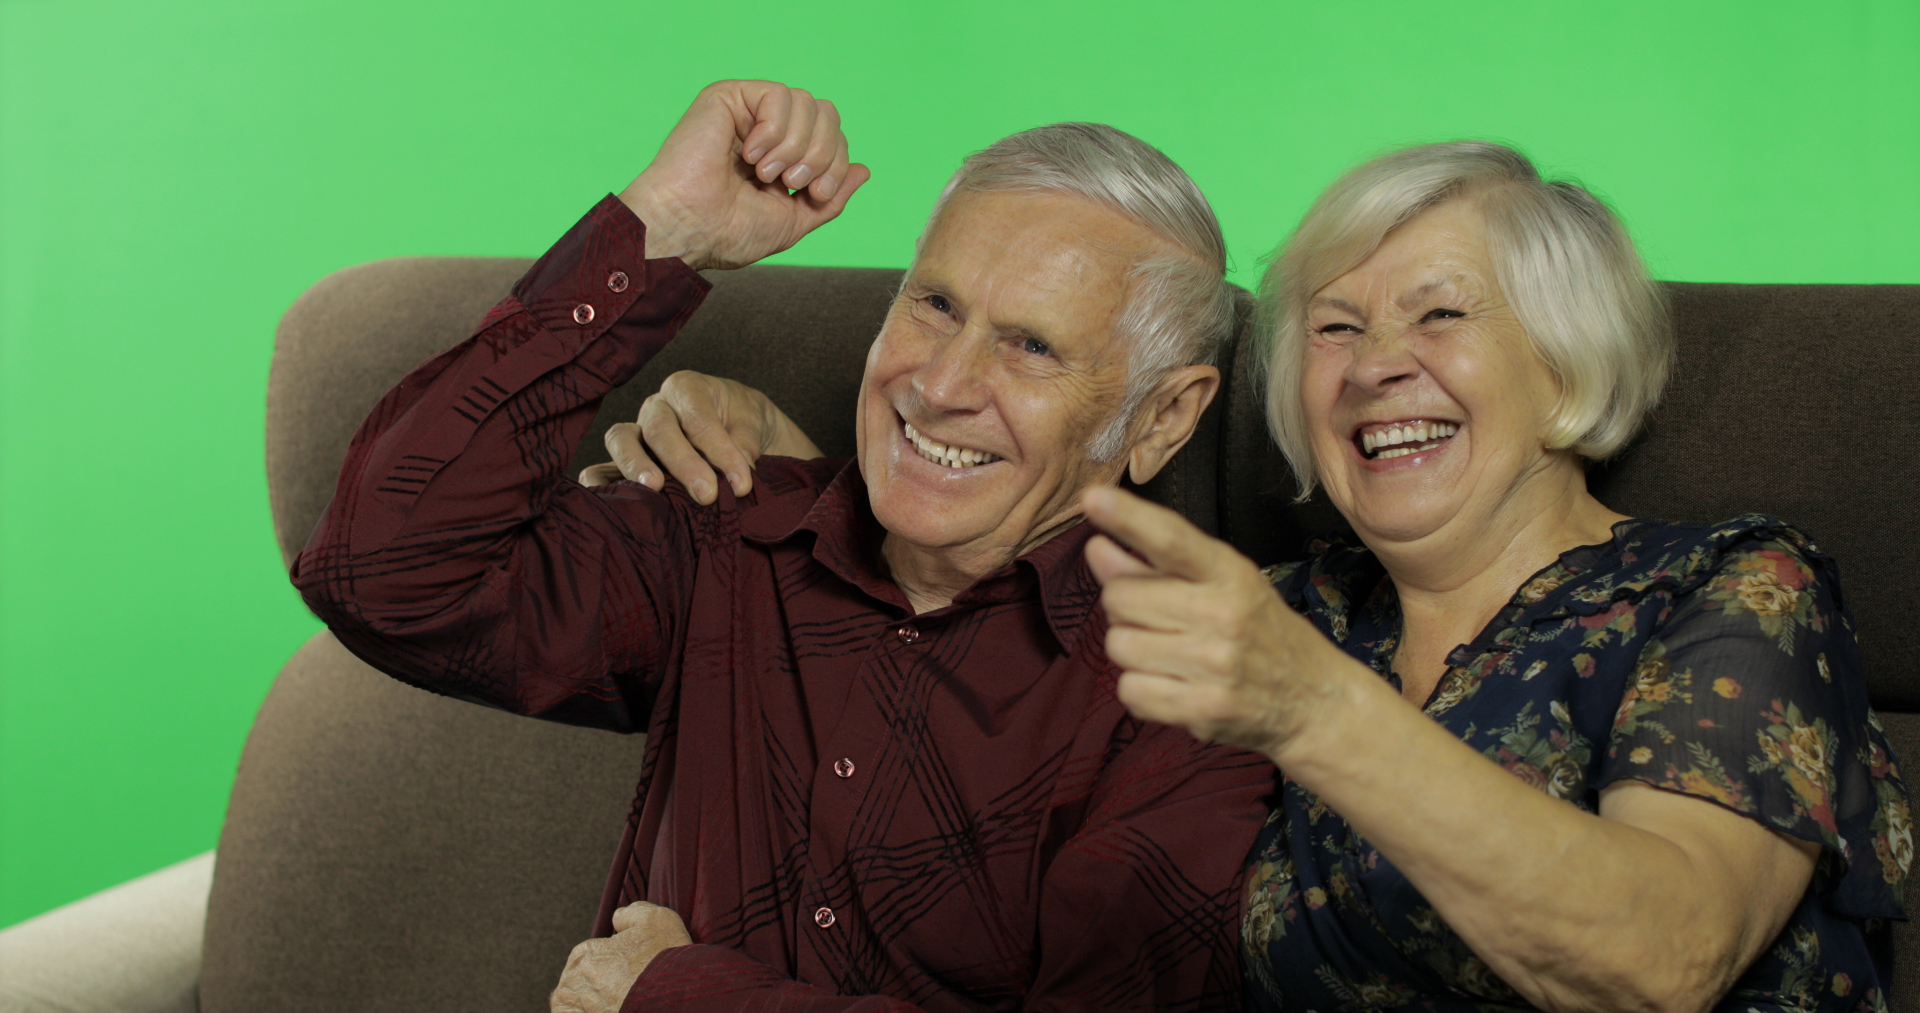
point(389, 849)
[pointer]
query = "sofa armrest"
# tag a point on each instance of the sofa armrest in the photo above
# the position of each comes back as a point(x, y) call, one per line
point(132, 948)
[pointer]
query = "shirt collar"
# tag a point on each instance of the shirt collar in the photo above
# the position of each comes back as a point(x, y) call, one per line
point(846, 540)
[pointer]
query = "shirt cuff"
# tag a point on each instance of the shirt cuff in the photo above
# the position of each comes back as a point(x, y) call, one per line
point(596, 273)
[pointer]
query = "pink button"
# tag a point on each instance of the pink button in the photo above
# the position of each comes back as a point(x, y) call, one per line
point(617, 281)
point(843, 767)
point(583, 314)
point(908, 634)
point(823, 917)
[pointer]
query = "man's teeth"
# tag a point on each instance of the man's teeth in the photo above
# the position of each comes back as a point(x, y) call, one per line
point(952, 457)
point(1413, 438)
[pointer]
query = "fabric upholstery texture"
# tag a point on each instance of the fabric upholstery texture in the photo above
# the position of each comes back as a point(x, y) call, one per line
point(439, 856)
point(132, 948)
point(388, 849)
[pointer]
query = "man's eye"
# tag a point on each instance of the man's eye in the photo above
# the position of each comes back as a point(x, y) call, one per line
point(1034, 346)
point(940, 304)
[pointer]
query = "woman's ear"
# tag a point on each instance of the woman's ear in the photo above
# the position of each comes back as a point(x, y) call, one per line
point(1170, 417)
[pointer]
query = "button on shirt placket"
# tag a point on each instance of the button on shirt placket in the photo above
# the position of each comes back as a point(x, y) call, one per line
point(846, 771)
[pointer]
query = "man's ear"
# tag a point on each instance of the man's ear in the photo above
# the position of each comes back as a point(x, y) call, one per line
point(1170, 417)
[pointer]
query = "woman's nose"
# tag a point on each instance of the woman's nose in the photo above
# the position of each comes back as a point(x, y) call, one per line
point(1383, 356)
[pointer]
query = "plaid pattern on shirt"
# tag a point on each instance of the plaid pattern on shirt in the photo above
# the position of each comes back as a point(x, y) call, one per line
point(852, 806)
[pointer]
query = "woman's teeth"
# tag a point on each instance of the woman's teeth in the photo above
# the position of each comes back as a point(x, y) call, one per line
point(1412, 438)
point(952, 457)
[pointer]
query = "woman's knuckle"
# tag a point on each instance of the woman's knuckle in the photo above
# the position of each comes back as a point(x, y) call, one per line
point(1213, 707)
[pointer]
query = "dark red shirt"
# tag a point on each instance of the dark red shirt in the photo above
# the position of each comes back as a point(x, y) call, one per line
point(852, 806)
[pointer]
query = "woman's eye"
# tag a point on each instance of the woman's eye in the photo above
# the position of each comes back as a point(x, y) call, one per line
point(1034, 346)
point(940, 304)
point(1441, 314)
point(1338, 332)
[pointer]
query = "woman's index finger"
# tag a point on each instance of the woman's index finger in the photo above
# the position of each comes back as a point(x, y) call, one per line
point(1167, 541)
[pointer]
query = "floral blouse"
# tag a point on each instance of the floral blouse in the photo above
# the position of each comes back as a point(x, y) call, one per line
point(1716, 661)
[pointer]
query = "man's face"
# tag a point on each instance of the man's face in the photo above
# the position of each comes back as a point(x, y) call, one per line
point(998, 360)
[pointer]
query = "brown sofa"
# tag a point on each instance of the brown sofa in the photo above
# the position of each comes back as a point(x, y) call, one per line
point(386, 849)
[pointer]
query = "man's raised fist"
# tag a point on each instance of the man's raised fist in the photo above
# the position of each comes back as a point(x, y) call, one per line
point(750, 168)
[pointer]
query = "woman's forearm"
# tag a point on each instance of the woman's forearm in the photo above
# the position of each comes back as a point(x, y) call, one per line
point(1659, 902)
point(1574, 910)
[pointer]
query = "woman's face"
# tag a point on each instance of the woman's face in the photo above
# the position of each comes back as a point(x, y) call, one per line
point(1425, 402)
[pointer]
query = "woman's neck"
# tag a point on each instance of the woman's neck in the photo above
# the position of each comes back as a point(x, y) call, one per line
point(1453, 582)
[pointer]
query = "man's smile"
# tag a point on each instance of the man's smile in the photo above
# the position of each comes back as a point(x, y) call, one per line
point(946, 454)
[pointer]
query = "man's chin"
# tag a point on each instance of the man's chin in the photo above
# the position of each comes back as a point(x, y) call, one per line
point(925, 525)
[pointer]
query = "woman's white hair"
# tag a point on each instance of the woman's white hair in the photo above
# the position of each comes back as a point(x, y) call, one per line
point(1179, 307)
point(1562, 258)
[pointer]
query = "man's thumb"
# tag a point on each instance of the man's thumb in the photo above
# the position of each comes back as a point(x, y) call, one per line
point(820, 213)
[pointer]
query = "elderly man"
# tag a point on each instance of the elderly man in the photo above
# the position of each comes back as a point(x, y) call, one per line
point(886, 768)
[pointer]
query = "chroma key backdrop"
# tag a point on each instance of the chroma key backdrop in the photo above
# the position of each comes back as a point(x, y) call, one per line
point(173, 175)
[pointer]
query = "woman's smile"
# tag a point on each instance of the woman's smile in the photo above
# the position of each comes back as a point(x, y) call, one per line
point(1386, 441)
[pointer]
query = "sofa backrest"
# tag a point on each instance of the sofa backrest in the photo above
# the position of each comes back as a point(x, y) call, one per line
point(388, 849)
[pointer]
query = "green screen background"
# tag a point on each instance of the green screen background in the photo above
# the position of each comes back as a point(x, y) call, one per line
point(173, 175)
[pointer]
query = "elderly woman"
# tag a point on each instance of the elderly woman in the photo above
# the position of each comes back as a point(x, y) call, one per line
point(1535, 752)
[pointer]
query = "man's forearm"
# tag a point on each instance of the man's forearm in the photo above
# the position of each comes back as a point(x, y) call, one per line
point(454, 487)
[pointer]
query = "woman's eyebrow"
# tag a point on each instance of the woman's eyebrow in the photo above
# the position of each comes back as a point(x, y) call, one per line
point(1339, 304)
point(1427, 289)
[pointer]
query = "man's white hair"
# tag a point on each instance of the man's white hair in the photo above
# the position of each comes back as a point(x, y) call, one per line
point(1179, 305)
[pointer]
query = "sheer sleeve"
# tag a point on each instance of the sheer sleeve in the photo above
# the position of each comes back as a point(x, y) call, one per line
point(1751, 695)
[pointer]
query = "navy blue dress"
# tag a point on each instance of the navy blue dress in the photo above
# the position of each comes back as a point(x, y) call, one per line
point(1713, 660)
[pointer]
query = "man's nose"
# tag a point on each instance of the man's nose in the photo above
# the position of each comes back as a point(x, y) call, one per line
point(953, 377)
point(1382, 357)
